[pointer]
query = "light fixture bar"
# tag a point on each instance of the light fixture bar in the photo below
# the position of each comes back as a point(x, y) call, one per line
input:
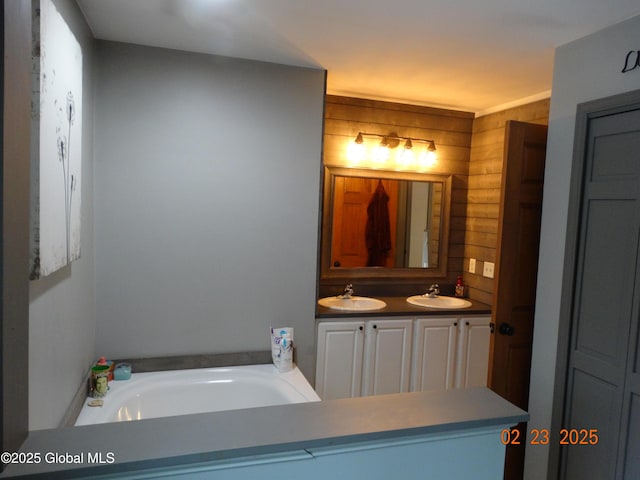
point(392, 139)
point(407, 158)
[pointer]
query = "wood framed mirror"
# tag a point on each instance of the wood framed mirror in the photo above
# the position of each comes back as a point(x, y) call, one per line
point(380, 225)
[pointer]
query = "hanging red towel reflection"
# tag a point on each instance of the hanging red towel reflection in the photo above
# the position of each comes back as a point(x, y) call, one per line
point(378, 231)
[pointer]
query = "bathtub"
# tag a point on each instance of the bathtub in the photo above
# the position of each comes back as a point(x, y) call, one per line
point(182, 392)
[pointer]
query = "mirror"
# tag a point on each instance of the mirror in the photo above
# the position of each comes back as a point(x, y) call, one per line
point(384, 224)
point(381, 222)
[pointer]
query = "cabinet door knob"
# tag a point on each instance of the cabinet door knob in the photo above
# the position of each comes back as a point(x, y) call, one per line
point(361, 327)
point(455, 324)
point(375, 326)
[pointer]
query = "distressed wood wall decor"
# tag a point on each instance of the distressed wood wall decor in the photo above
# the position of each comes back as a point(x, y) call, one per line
point(56, 138)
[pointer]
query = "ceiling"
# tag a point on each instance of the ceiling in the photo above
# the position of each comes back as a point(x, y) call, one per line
point(463, 54)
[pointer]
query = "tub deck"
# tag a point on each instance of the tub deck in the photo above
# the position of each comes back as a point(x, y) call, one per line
point(454, 432)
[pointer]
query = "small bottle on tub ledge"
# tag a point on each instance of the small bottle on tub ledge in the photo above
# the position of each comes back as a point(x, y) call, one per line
point(459, 292)
point(109, 363)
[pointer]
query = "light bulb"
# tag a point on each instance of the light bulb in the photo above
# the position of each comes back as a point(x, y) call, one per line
point(355, 152)
point(381, 154)
point(405, 157)
point(427, 159)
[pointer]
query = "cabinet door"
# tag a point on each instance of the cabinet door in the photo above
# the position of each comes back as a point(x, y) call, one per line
point(387, 356)
point(339, 359)
point(434, 354)
point(473, 361)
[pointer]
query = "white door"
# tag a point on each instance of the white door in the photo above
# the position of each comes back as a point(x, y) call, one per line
point(387, 356)
point(473, 361)
point(339, 359)
point(434, 354)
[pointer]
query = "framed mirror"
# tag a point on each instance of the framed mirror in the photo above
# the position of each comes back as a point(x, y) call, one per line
point(384, 225)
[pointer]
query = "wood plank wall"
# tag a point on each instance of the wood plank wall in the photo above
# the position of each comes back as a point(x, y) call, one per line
point(483, 196)
point(451, 130)
point(469, 149)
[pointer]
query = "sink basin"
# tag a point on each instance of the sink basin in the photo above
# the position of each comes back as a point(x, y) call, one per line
point(447, 303)
point(353, 304)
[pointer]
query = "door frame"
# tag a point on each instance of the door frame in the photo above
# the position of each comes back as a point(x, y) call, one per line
point(15, 24)
point(585, 112)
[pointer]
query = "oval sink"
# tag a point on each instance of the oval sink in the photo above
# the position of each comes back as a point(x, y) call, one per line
point(448, 303)
point(353, 304)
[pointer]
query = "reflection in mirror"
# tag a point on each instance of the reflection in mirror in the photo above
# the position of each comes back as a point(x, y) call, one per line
point(381, 222)
point(380, 225)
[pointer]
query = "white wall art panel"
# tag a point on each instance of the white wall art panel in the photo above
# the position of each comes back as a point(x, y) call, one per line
point(56, 142)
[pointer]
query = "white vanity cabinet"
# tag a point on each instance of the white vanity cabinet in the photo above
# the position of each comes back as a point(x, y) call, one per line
point(374, 356)
point(473, 352)
point(339, 360)
point(387, 356)
point(450, 352)
point(360, 357)
point(434, 354)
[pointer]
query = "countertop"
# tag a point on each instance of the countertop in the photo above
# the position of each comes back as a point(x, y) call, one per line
point(398, 306)
point(234, 435)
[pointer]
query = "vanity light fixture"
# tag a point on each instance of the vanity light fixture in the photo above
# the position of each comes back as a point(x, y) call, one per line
point(406, 158)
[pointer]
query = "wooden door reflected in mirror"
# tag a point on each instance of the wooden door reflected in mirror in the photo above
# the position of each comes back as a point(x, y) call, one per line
point(396, 222)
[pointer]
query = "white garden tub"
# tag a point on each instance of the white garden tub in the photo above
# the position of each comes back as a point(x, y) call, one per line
point(182, 392)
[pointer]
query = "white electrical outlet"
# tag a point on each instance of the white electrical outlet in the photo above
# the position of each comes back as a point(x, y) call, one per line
point(472, 265)
point(488, 269)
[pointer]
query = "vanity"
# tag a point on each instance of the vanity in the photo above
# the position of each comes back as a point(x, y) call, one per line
point(401, 348)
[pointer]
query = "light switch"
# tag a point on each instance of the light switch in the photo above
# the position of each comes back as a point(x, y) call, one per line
point(488, 269)
point(472, 265)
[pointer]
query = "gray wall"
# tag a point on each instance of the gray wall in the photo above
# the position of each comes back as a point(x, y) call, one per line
point(206, 196)
point(62, 306)
point(15, 117)
point(587, 69)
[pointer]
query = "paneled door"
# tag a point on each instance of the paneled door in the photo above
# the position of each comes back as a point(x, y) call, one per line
point(434, 352)
point(517, 272)
point(339, 362)
point(473, 352)
point(602, 384)
point(351, 199)
point(387, 357)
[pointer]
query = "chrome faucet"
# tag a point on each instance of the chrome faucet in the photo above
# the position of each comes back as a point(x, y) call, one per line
point(348, 291)
point(433, 292)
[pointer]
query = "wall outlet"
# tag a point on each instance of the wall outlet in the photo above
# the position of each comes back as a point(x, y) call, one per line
point(488, 269)
point(472, 265)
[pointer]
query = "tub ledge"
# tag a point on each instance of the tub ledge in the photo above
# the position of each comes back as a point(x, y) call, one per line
point(452, 434)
